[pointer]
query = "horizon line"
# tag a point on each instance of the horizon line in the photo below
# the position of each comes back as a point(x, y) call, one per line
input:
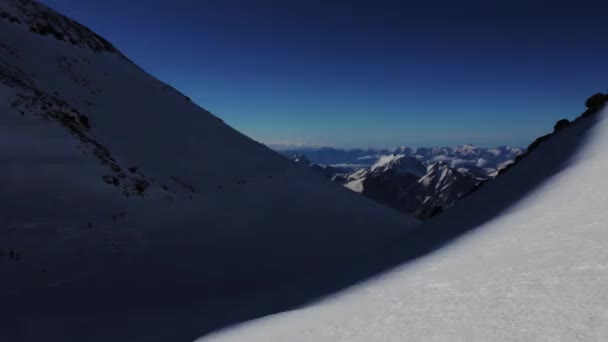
point(294, 146)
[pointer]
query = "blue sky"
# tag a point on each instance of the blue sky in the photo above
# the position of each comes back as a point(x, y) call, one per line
point(368, 73)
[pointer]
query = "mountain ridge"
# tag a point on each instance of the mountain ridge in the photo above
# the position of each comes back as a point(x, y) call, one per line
point(211, 244)
point(123, 197)
point(504, 261)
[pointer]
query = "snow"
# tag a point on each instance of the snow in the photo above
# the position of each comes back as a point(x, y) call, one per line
point(386, 160)
point(535, 267)
point(240, 232)
point(355, 180)
point(356, 185)
point(223, 216)
point(399, 163)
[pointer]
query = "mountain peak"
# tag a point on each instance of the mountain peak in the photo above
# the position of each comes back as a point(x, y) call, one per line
point(399, 163)
point(110, 170)
point(41, 20)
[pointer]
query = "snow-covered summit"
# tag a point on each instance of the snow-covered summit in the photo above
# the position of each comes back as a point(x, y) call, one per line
point(442, 186)
point(398, 163)
point(404, 183)
point(438, 173)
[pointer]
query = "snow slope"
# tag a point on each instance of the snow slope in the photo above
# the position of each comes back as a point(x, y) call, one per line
point(116, 226)
point(534, 269)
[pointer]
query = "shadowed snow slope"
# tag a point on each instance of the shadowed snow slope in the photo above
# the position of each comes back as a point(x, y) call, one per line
point(535, 269)
point(131, 214)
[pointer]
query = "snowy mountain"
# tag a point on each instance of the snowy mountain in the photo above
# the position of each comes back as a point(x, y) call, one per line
point(389, 168)
point(132, 214)
point(407, 185)
point(441, 187)
point(418, 181)
point(482, 162)
point(386, 179)
point(523, 258)
point(398, 163)
point(475, 161)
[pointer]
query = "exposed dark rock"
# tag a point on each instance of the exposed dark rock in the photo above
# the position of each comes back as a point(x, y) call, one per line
point(595, 101)
point(184, 184)
point(112, 180)
point(561, 124)
point(140, 186)
point(536, 143)
point(435, 211)
point(84, 120)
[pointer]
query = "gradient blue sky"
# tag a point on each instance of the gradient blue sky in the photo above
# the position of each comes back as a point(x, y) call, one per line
point(368, 73)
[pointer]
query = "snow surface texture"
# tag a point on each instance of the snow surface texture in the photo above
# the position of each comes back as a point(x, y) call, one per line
point(534, 269)
point(131, 214)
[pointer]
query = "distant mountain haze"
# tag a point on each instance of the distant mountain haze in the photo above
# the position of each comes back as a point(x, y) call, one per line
point(418, 181)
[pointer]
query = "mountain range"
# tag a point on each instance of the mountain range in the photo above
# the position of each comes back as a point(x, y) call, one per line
point(522, 258)
point(480, 160)
point(422, 181)
point(130, 213)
